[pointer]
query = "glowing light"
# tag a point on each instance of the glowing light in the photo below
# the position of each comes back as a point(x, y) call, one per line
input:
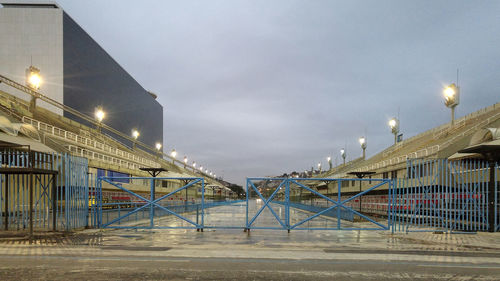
point(185, 159)
point(158, 146)
point(33, 78)
point(99, 114)
point(362, 140)
point(449, 92)
point(135, 134)
point(194, 164)
point(392, 123)
point(329, 158)
point(173, 153)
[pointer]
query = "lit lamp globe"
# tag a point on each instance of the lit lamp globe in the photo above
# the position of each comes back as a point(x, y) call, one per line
point(452, 99)
point(394, 125)
point(173, 154)
point(33, 78)
point(135, 134)
point(158, 146)
point(362, 142)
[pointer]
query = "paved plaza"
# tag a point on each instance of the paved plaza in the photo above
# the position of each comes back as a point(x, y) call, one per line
point(231, 254)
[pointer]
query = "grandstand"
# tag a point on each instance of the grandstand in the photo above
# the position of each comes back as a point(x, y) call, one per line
point(50, 132)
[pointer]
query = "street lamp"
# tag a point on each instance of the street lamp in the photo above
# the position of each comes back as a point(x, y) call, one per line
point(201, 169)
point(194, 164)
point(185, 161)
point(329, 159)
point(158, 147)
point(33, 80)
point(173, 153)
point(135, 135)
point(343, 154)
point(452, 99)
point(99, 116)
point(319, 167)
point(394, 125)
point(362, 142)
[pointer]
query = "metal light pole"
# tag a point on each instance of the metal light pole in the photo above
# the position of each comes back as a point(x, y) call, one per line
point(343, 154)
point(394, 125)
point(452, 99)
point(135, 135)
point(33, 80)
point(173, 153)
point(329, 159)
point(362, 142)
point(99, 116)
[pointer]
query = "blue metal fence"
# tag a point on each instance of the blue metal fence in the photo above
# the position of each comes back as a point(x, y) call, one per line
point(497, 198)
point(70, 194)
point(442, 195)
point(333, 205)
point(148, 212)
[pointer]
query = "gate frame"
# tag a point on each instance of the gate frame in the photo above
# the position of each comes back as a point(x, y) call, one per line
point(151, 203)
point(339, 204)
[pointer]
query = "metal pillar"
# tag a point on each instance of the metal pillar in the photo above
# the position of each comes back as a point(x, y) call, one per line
point(54, 203)
point(491, 198)
point(6, 200)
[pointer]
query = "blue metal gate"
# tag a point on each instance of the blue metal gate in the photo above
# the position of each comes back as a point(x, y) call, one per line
point(144, 211)
point(295, 202)
point(442, 195)
point(70, 196)
point(159, 207)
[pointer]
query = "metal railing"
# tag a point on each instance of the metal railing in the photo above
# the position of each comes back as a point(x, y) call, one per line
point(442, 195)
point(70, 196)
point(87, 142)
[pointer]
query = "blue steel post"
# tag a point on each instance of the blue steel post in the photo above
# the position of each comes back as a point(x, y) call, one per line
point(67, 191)
point(497, 218)
point(287, 204)
point(152, 210)
point(246, 218)
point(202, 204)
point(339, 204)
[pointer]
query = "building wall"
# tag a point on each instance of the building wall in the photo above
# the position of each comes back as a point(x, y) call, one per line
point(32, 34)
point(93, 78)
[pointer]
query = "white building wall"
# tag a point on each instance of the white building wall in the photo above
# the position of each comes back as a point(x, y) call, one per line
point(33, 34)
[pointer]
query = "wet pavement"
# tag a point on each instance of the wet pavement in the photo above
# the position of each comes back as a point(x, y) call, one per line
point(231, 254)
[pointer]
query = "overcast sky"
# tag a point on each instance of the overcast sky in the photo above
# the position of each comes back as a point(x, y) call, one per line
point(258, 88)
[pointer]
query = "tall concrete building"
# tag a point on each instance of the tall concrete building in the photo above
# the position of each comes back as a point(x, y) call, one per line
point(75, 70)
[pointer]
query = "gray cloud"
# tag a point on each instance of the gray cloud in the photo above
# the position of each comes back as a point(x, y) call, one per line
point(254, 88)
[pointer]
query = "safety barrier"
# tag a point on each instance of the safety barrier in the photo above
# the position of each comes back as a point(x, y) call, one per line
point(62, 198)
point(148, 212)
point(335, 213)
point(442, 195)
point(497, 198)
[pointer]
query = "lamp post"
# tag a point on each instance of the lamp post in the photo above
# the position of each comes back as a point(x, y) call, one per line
point(33, 81)
point(173, 153)
point(185, 161)
point(394, 125)
point(362, 142)
point(319, 167)
point(99, 116)
point(343, 154)
point(158, 147)
point(452, 99)
point(329, 159)
point(135, 135)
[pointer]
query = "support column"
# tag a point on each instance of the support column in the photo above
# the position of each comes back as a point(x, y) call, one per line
point(6, 201)
point(31, 207)
point(54, 203)
point(491, 198)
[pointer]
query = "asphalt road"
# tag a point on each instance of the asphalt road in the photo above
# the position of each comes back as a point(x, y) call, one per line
point(68, 267)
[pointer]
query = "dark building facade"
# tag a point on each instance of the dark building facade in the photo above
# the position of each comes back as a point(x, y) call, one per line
point(93, 78)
